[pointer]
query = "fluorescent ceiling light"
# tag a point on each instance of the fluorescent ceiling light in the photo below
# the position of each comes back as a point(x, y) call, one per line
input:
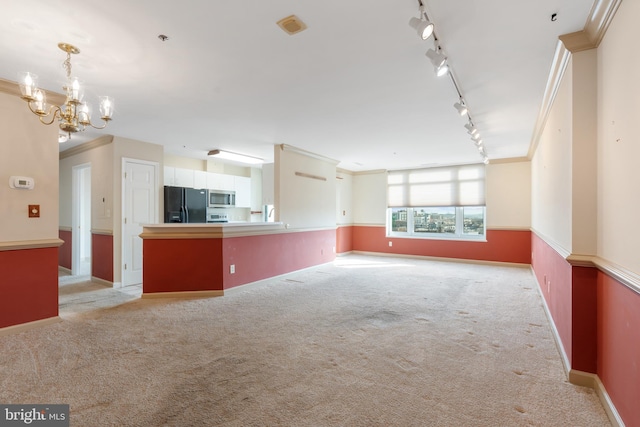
point(227, 155)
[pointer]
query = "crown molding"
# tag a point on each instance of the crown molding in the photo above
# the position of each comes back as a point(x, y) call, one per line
point(291, 148)
point(589, 37)
point(98, 142)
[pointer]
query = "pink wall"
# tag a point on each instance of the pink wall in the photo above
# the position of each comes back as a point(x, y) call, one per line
point(501, 245)
point(618, 345)
point(64, 251)
point(28, 285)
point(570, 294)
point(178, 265)
point(102, 256)
point(344, 239)
point(554, 277)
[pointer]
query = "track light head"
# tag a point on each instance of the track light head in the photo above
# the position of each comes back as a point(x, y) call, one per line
point(462, 109)
point(471, 129)
point(439, 62)
point(423, 27)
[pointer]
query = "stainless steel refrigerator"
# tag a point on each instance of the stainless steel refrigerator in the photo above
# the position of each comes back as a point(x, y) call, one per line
point(186, 205)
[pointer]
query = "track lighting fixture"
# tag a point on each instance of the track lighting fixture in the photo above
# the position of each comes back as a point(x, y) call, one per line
point(439, 62)
point(425, 30)
point(461, 107)
point(471, 129)
point(422, 25)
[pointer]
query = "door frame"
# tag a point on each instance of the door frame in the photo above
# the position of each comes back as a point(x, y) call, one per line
point(123, 203)
point(76, 202)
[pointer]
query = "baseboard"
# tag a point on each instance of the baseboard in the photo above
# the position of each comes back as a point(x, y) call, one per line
point(184, 294)
point(64, 269)
point(104, 282)
point(14, 329)
point(444, 259)
point(586, 379)
point(580, 378)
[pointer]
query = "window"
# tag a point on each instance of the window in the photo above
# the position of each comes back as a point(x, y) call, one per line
point(443, 202)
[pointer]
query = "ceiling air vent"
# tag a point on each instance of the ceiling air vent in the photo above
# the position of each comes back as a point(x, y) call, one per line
point(291, 25)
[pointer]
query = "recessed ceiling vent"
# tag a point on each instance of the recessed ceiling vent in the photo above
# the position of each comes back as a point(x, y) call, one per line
point(291, 25)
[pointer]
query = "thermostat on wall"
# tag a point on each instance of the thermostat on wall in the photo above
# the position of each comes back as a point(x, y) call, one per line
point(21, 182)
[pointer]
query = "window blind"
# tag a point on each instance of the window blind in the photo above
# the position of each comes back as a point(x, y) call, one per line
point(462, 185)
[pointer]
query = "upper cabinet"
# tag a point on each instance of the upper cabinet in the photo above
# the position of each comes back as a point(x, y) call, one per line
point(184, 178)
point(243, 191)
point(179, 177)
point(200, 179)
point(170, 176)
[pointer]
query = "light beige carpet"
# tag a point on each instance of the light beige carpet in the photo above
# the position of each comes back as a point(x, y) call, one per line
point(365, 341)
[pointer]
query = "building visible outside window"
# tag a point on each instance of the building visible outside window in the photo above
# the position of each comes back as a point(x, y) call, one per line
point(443, 202)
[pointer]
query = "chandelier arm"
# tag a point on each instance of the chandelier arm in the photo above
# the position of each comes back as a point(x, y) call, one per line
point(99, 127)
point(41, 115)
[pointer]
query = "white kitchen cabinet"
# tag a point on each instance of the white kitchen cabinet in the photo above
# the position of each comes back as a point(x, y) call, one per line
point(169, 176)
point(243, 192)
point(184, 177)
point(214, 181)
point(228, 182)
point(200, 179)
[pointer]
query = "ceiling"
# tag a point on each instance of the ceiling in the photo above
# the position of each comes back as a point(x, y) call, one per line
point(355, 86)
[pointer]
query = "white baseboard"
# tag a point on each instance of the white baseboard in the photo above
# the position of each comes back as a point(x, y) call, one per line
point(104, 282)
point(64, 269)
point(10, 330)
point(580, 378)
point(184, 294)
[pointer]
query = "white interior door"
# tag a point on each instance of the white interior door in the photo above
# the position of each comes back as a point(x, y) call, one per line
point(140, 206)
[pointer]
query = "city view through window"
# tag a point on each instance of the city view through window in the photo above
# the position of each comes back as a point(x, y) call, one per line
point(439, 220)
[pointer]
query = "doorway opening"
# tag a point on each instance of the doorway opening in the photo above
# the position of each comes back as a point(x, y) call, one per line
point(81, 221)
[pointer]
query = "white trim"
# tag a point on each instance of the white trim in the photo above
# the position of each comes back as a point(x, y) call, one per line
point(123, 205)
point(291, 148)
point(76, 201)
point(30, 244)
point(554, 245)
point(22, 327)
point(435, 258)
point(628, 278)
point(103, 282)
point(213, 231)
point(579, 378)
point(182, 294)
point(102, 232)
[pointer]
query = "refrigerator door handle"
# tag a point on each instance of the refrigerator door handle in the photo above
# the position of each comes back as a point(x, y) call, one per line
point(183, 214)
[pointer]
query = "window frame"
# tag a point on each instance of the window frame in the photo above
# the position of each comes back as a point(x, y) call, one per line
point(458, 235)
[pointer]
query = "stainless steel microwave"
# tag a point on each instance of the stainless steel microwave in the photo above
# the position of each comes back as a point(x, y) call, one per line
point(221, 199)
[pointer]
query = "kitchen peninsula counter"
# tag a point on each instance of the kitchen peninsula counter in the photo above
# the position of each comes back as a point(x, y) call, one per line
point(202, 260)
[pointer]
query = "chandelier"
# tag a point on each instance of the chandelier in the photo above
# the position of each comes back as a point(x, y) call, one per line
point(74, 115)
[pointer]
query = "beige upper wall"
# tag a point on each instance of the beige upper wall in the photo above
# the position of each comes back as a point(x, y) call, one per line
point(304, 201)
point(508, 202)
point(618, 147)
point(344, 198)
point(101, 163)
point(551, 196)
point(509, 195)
point(27, 148)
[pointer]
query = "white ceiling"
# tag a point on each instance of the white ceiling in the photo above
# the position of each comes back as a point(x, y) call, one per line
point(355, 86)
